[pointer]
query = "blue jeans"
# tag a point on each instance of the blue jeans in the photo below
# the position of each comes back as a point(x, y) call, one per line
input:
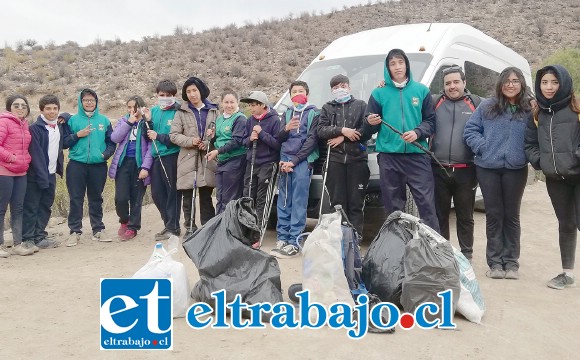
point(12, 192)
point(292, 202)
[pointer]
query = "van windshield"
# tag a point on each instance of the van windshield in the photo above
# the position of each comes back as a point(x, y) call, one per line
point(364, 73)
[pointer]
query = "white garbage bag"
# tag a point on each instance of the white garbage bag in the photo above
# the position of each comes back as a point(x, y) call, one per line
point(323, 269)
point(470, 302)
point(162, 265)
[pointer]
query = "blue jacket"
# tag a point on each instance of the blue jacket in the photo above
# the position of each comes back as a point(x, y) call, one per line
point(38, 170)
point(496, 142)
point(268, 146)
point(299, 145)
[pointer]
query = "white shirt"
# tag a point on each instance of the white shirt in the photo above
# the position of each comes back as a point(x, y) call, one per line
point(53, 144)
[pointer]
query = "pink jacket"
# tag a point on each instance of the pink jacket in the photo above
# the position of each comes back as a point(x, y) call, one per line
point(14, 142)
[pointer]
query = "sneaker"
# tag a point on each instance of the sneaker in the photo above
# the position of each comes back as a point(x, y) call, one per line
point(286, 252)
point(162, 235)
point(48, 243)
point(101, 236)
point(495, 273)
point(189, 233)
point(561, 282)
point(128, 235)
point(21, 250)
point(30, 245)
point(122, 229)
point(512, 274)
point(4, 253)
point(73, 239)
point(279, 245)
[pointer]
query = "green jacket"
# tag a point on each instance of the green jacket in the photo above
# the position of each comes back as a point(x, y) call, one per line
point(95, 148)
point(162, 120)
point(407, 108)
point(229, 136)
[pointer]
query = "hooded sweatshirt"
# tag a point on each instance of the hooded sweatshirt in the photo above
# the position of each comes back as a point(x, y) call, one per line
point(406, 108)
point(95, 148)
point(268, 146)
point(553, 135)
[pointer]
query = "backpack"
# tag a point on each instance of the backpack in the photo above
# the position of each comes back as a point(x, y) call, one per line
point(471, 100)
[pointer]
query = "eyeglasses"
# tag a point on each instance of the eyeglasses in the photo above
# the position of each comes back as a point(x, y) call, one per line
point(89, 101)
point(515, 82)
point(452, 69)
point(20, 106)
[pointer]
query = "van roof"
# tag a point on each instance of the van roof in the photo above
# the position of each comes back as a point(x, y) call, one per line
point(411, 38)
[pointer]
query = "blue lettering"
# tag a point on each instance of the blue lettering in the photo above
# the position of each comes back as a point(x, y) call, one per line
point(220, 305)
point(256, 314)
point(284, 316)
point(305, 307)
point(341, 316)
point(362, 311)
point(420, 318)
point(193, 314)
point(446, 310)
point(236, 316)
point(393, 315)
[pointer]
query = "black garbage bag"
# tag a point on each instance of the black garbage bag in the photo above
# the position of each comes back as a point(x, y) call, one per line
point(223, 256)
point(430, 268)
point(383, 263)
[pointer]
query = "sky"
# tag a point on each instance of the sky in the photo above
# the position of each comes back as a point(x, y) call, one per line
point(87, 20)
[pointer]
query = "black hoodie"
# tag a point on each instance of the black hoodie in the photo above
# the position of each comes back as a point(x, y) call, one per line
point(553, 138)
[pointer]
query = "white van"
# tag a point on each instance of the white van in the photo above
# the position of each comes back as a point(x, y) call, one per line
point(430, 48)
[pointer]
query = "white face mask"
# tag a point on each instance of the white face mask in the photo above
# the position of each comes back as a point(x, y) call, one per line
point(341, 95)
point(165, 102)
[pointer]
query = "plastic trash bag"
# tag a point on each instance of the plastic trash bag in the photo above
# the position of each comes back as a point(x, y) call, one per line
point(470, 304)
point(162, 265)
point(323, 268)
point(221, 250)
point(383, 263)
point(429, 266)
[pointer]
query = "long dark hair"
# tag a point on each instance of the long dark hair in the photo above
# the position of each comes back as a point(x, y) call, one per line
point(501, 104)
point(13, 98)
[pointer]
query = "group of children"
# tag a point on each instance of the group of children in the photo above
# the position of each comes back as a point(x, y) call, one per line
point(182, 149)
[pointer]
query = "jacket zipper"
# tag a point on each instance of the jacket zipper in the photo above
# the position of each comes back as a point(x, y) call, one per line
point(402, 117)
point(451, 137)
point(344, 125)
point(89, 139)
point(552, 142)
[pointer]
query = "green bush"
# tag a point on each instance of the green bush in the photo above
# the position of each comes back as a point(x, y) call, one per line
point(570, 59)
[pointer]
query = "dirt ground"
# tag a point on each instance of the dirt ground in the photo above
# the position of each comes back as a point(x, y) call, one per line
point(49, 306)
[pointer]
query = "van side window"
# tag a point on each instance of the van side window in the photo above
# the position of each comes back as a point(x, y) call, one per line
point(437, 84)
point(480, 80)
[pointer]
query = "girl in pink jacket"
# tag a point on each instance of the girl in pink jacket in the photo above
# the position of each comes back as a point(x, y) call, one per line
point(14, 160)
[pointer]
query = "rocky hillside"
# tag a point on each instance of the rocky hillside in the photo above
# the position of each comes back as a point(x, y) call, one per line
point(267, 55)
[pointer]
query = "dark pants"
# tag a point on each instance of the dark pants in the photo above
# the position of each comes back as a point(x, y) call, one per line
point(502, 191)
point(164, 193)
point(229, 181)
point(206, 209)
point(12, 191)
point(129, 192)
point(398, 171)
point(347, 184)
point(565, 196)
point(90, 179)
point(262, 176)
point(37, 209)
point(460, 187)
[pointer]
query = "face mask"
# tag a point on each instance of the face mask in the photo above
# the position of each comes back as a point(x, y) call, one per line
point(300, 101)
point(400, 85)
point(89, 113)
point(165, 102)
point(341, 95)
